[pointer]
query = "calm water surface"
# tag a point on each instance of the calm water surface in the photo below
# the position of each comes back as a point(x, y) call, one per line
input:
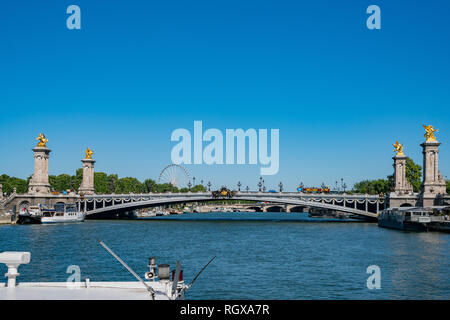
point(259, 255)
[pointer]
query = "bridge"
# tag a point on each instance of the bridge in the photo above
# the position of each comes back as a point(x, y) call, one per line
point(363, 205)
point(432, 193)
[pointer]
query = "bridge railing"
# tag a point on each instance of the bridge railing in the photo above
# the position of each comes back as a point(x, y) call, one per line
point(4, 202)
point(238, 194)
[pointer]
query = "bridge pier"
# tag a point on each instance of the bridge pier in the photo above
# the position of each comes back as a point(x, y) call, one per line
point(87, 185)
point(39, 180)
point(433, 186)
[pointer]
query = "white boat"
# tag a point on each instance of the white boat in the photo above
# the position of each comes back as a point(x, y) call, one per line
point(160, 213)
point(62, 213)
point(159, 284)
point(30, 215)
point(147, 214)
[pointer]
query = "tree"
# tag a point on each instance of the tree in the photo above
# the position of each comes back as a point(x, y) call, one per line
point(61, 182)
point(448, 186)
point(129, 185)
point(413, 174)
point(165, 187)
point(101, 183)
point(77, 178)
point(149, 184)
point(372, 186)
point(112, 181)
point(9, 183)
point(198, 188)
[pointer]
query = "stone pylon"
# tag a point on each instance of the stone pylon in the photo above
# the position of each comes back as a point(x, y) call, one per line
point(1, 192)
point(87, 185)
point(39, 181)
point(401, 184)
point(433, 184)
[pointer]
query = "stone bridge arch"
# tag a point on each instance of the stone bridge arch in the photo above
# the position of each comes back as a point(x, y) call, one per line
point(24, 205)
point(274, 208)
point(293, 208)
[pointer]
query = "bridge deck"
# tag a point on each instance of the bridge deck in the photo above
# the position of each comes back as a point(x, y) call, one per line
point(324, 201)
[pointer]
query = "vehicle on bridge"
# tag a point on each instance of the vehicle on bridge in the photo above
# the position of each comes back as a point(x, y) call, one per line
point(223, 193)
point(312, 190)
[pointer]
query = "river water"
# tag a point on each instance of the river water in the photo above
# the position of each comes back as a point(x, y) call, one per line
point(259, 255)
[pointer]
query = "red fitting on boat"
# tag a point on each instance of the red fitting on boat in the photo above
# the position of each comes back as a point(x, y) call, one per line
point(180, 278)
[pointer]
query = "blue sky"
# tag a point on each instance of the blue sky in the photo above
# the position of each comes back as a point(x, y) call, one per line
point(340, 94)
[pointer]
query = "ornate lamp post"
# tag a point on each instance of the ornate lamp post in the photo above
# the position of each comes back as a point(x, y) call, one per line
point(189, 185)
point(239, 186)
point(260, 184)
point(209, 185)
point(150, 190)
point(264, 188)
point(344, 186)
point(281, 186)
point(193, 181)
point(247, 188)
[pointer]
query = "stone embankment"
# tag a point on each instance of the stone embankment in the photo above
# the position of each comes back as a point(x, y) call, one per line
point(5, 219)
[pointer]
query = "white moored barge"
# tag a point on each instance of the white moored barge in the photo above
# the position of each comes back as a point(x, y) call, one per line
point(62, 213)
point(414, 218)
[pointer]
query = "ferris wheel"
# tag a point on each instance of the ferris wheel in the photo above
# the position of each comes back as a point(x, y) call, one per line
point(174, 174)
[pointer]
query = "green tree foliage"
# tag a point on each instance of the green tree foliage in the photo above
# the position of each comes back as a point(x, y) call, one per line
point(448, 186)
point(164, 187)
point(149, 184)
point(129, 185)
point(101, 183)
point(77, 178)
point(413, 175)
point(9, 183)
point(61, 182)
point(112, 181)
point(198, 188)
point(372, 186)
